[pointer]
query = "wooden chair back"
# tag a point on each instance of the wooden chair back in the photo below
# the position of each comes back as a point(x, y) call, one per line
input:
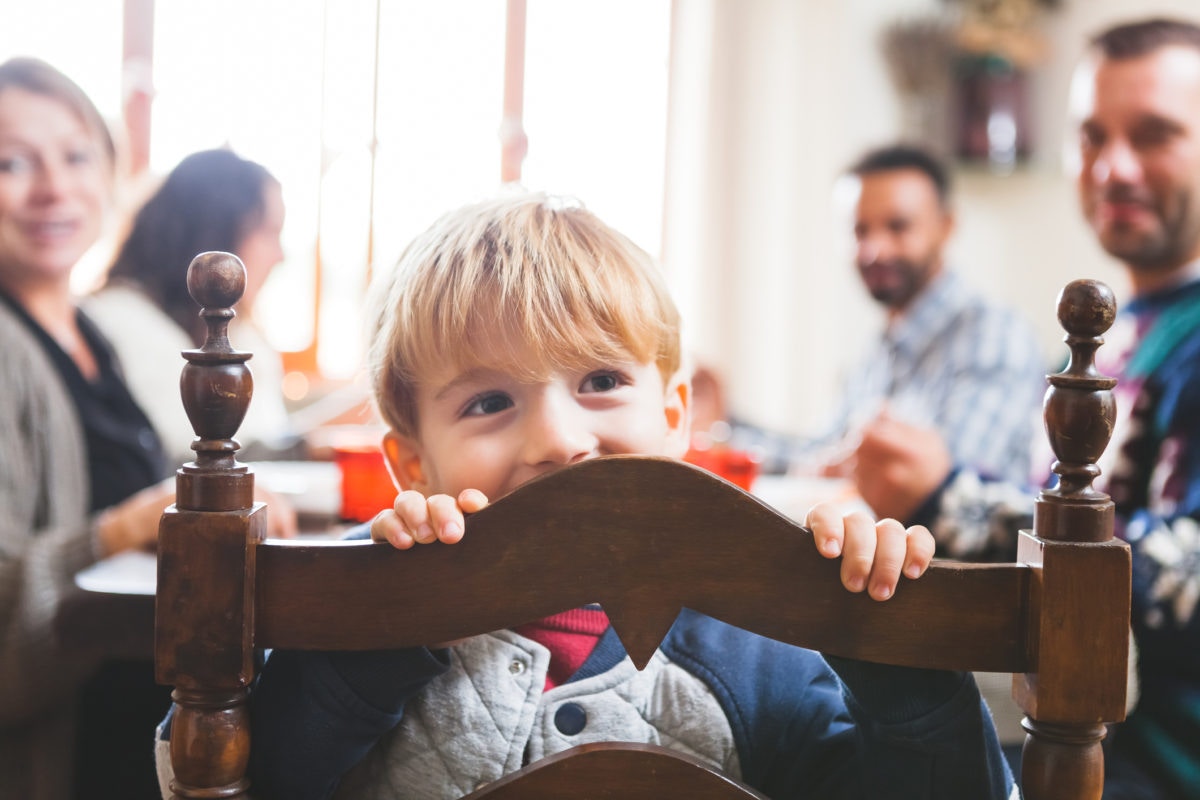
point(644, 537)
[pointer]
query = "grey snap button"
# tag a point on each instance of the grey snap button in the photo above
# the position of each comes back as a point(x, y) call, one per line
point(516, 667)
point(570, 718)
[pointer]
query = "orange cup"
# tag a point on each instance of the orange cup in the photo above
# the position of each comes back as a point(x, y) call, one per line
point(736, 466)
point(367, 486)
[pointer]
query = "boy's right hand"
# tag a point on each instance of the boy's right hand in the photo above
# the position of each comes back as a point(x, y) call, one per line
point(417, 519)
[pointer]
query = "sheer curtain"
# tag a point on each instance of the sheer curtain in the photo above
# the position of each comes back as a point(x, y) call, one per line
point(378, 116)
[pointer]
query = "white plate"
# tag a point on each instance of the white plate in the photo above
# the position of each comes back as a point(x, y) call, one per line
point(130, 572)
point(312, 487)
point(794, 495)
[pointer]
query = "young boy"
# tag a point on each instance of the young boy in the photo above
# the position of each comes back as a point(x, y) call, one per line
point(518, 336)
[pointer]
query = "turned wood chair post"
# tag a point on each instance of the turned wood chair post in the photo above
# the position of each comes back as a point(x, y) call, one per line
point(1077, 636)
point(204, 603)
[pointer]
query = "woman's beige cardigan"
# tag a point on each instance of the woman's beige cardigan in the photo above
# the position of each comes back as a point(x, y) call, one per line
point(46, 536)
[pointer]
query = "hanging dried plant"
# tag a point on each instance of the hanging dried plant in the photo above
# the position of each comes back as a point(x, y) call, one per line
point(919, 52)
point(1007, 14)
point(1005, 28)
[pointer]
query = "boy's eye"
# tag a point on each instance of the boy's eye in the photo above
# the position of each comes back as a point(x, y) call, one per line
point(486, 404)
point(602, 382)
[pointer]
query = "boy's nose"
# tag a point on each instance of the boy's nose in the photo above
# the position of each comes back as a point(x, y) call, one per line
point(557, 432)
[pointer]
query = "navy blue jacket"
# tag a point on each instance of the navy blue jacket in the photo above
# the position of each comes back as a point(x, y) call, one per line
point(801, 729)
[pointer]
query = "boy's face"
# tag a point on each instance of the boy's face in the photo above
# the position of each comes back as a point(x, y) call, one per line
point(487, 429)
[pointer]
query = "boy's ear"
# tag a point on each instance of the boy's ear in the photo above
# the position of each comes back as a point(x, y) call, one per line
point(403, 458)
point(677, 405)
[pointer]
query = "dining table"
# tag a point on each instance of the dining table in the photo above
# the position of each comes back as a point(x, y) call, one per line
point(110, 608)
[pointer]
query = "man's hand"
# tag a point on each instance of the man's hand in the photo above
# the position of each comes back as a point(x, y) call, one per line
point(898, 465)
point(417, 519)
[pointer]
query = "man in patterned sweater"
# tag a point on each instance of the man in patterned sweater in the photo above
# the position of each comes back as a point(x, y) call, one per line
point(1138, 108)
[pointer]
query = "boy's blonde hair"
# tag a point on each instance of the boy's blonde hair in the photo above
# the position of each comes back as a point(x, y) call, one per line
point(493, 282)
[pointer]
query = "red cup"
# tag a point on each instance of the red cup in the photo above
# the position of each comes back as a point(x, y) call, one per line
point(736, 466)
point(367, 486)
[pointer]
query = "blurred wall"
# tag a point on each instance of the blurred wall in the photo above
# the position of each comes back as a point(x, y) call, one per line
point(770, 100)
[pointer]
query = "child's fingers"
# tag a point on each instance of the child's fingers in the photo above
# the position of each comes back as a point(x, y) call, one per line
point(386, 527)
point(920, 547)
point(891, 549)
point(413, 514)
point(825, 522)
point(472, 500)
point(416, 519)
point(445, 518)
point(858, 550)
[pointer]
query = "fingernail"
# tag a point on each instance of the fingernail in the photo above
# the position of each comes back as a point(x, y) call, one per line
point(451, 530)
point(913, 571)
point(830, 548)
point(854, 584)
point(425, 533)
point(883, 592)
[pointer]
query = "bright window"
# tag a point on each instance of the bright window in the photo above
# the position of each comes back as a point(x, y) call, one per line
point(293, 84)
point(80, 37)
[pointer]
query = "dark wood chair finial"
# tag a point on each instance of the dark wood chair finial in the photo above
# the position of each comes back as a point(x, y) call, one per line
point(205, 555)
point(216, 281)
point(216, 386)
point(1073, 524)
point(1079, 413)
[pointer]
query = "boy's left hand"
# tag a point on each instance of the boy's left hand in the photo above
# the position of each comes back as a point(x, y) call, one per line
point(874, 554)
